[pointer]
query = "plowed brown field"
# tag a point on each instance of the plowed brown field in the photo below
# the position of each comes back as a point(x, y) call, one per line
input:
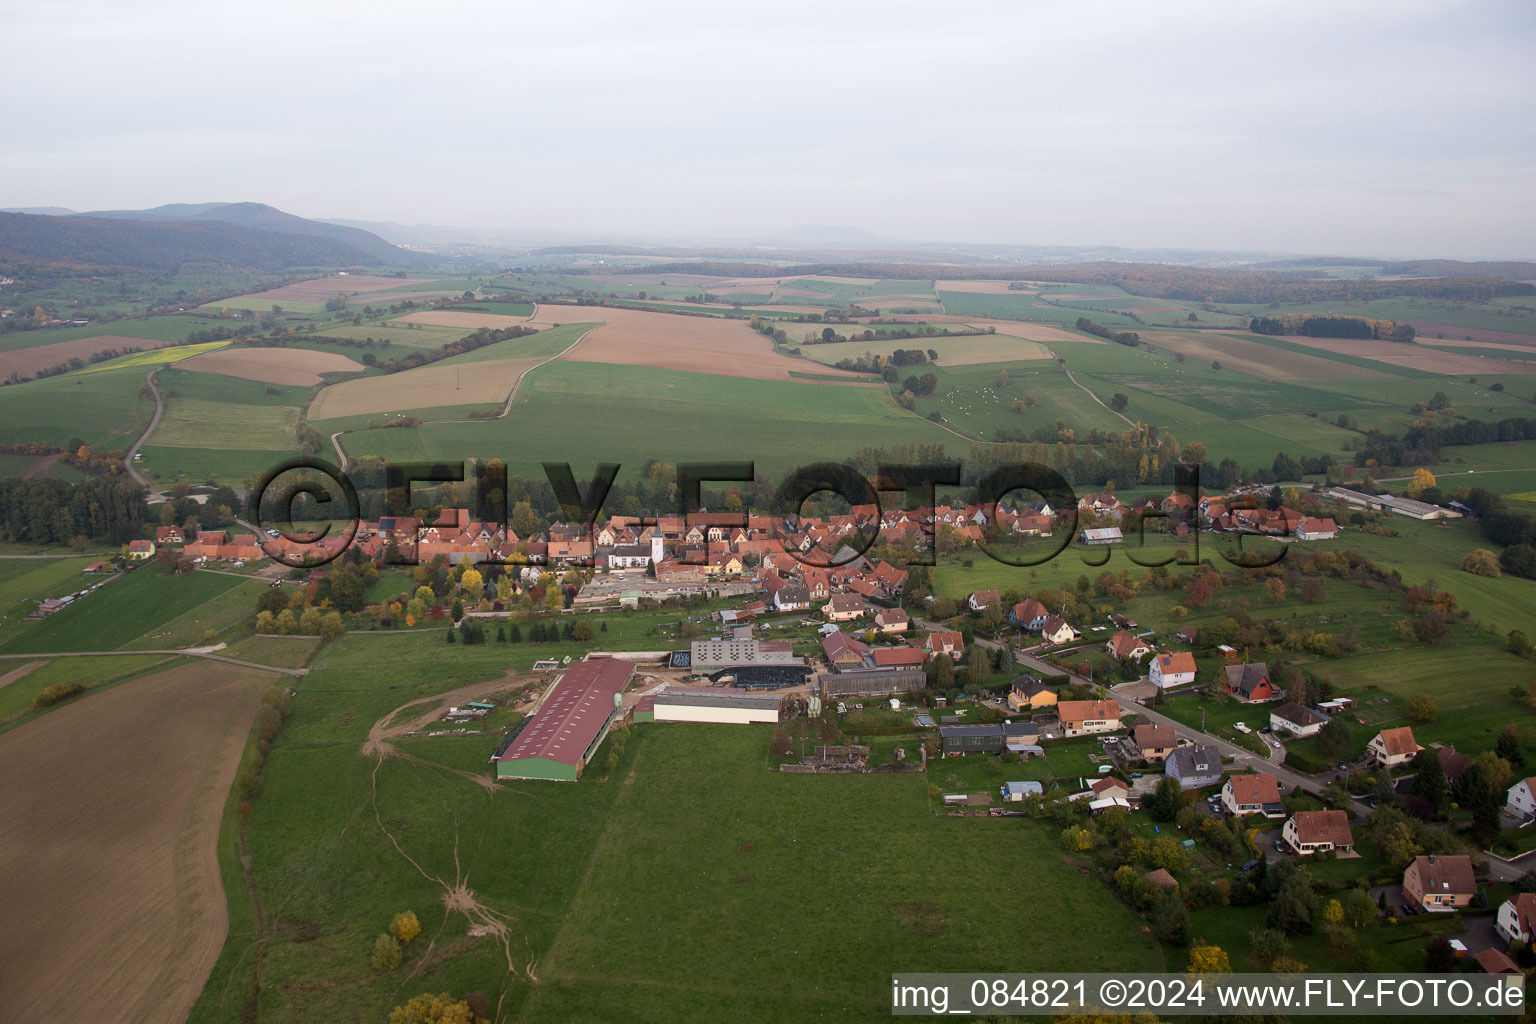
point(295, 366)
point(109, 872)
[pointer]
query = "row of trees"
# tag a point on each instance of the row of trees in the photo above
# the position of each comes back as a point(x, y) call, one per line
point(1130, 338)
point(1319, 325)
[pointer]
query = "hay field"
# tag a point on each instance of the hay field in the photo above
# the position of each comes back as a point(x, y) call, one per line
point(293, 366)
point(1452, 364)
point(984, 287)
point(199, 423)
point(109, 873)
point(27, 361)
point(321, 289)
point(1025, 329)
point(485, 383)
point(669, 342)
point(458, 318)
point(1434, 332)
point(1254, 357)
point(963, 351)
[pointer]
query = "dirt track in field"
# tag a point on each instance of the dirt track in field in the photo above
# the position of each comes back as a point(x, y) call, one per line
point(322, 289)
point(294, 366)
point(6, 679)
point(460, 318)
point(693, 343)
point(109, 873)
point(27, 361)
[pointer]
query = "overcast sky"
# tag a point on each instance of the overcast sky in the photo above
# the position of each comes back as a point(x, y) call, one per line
point(1401, 128)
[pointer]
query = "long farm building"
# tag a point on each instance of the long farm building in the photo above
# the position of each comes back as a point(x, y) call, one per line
point(558, 741)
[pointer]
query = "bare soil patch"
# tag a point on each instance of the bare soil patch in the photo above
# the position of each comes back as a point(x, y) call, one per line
point(484, 383)
point(694, 343)
point(320, 289)
point(295, 366)
point(109, 871)
point(27, 361)
point(1429, 328)
point(1414, 356)
point(460, 318)
point(983, 287)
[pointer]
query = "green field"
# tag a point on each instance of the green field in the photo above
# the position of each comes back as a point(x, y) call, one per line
point(126, 612)
point(647, 871)
point(669, 415)
point(105, 410)
point(16, 698)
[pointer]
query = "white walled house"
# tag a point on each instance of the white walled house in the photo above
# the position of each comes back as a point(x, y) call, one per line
point(1176, 669)
point(1522, 799)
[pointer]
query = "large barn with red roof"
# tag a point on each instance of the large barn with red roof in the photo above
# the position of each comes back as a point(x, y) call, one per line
point(557, 741)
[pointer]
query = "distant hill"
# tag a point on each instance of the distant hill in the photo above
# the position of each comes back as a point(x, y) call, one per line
point(42, 211)
point(262, 217)
point(247, 235)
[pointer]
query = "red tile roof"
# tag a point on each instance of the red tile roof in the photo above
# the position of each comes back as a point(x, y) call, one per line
point(574, 713)
point(1254, 789)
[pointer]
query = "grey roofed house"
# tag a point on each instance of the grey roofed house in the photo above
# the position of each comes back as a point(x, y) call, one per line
point(1025, 732)
point(1243, 680)
point(1297, 715)
point(1195, 767)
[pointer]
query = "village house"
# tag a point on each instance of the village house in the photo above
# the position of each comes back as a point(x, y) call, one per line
point(1082, 717)
point(945, 642)
point(1027, 693)
point(981, 600)
point(139, 550)
point(1439, 883)
point(1521, 801)
point(1028, 614)
point(169, 535)
point(1249, 683)
point(1175, 669)
point(1253, 794)
point(1055, 630)
point(844, 608)
point(1154, 742)
point(1297, 720)
point(1127, 645)
point(1195, 767)
point(1309, 832)
point(1316, 529)
point(1516, 921)
point(843, 651)
point(892, 620)
point(1392, 747)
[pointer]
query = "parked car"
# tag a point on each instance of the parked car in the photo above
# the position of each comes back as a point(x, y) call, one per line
point(1279, 845)
point(1275, 744)
point(1137, 775)
point(1250, 865)
point(1409, 910)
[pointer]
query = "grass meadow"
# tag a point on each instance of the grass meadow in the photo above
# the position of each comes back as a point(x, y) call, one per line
point(687, 885)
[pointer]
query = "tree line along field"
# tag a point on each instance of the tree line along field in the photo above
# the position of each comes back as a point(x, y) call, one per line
point(646, 864)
